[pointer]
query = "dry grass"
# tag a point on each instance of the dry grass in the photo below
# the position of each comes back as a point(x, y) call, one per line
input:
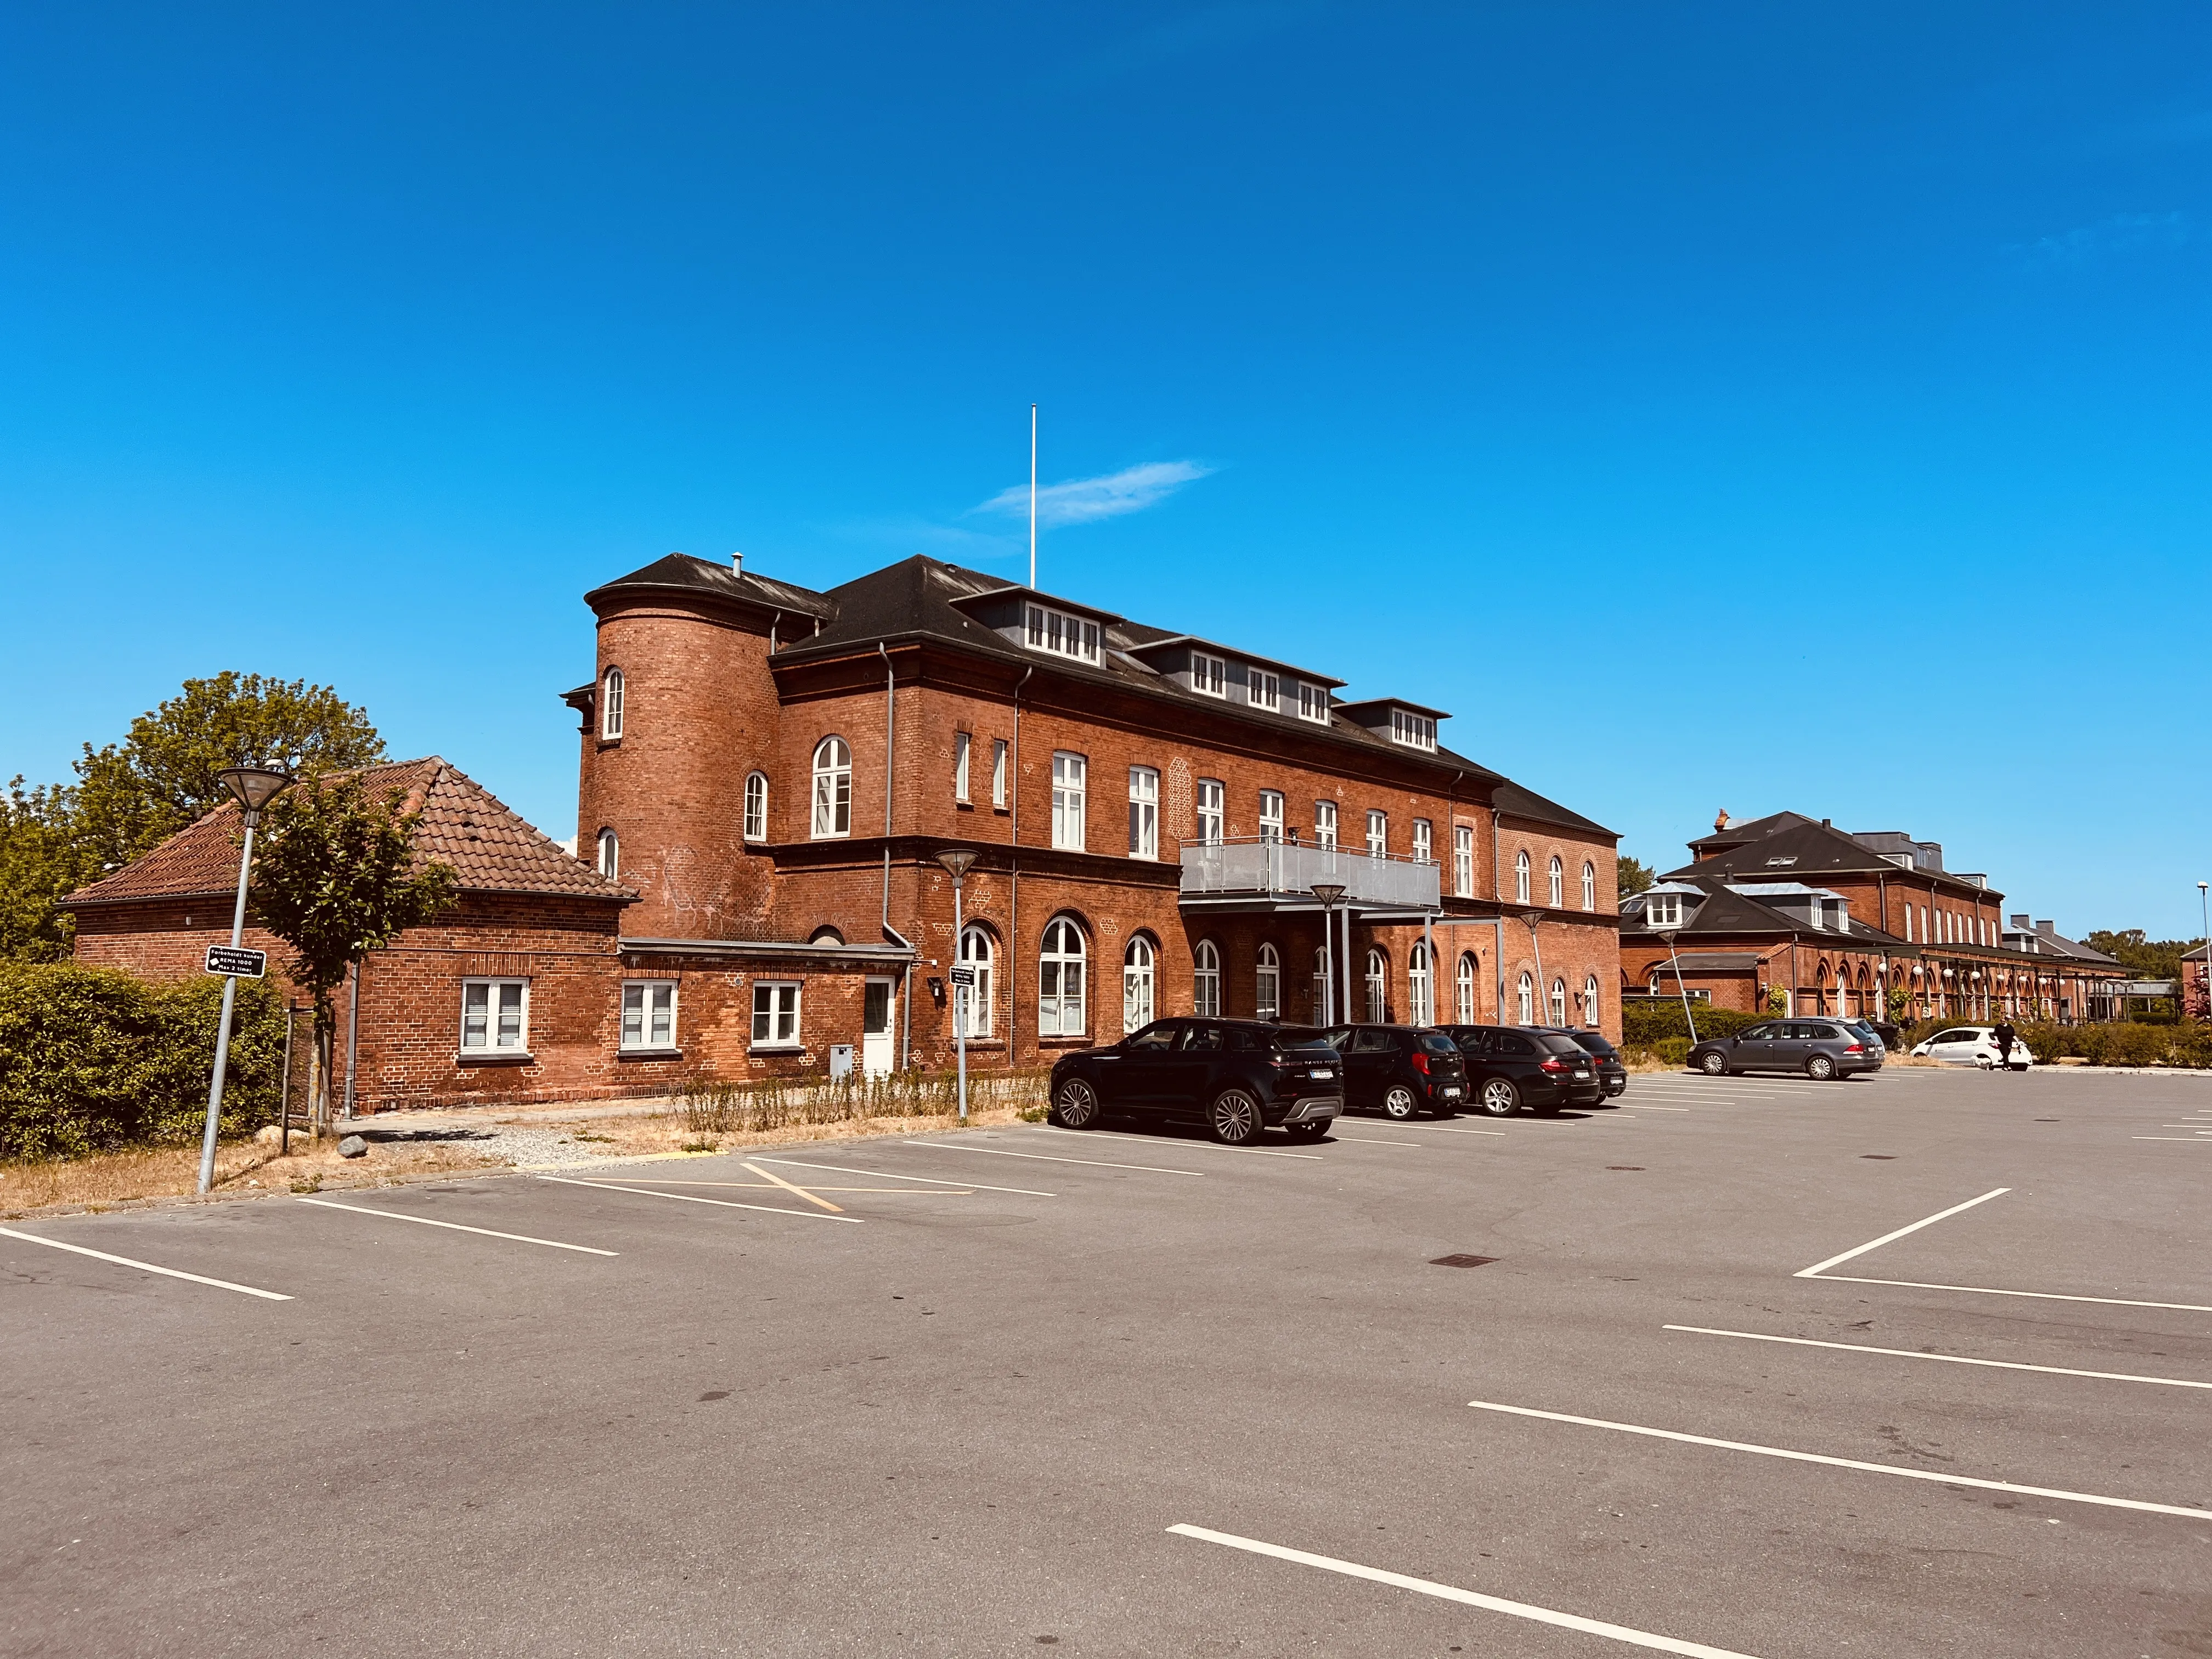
point(616, 1138)
point(242, 1169)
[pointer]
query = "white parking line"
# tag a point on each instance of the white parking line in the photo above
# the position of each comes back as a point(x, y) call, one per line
point(1815, 1271)
point(1154, 1140)
point(1044, 1158)
point(839, 1168)
point(1947, 1358)
point(144, 1267)
point(1446, 1129)
point(1646, 1106)
point(693, 1198)
point(1369, 1140)
point(2185, 1139)
point(2038, 1295)
point(1937, 1476)
point(1641, 1638)
point(425, 1221)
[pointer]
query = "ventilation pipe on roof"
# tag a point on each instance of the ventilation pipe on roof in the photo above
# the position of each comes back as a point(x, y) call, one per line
point(737, 564)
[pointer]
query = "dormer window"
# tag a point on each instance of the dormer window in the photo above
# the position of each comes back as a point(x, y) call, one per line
point(1209, 675)
point(1263, 689)
point(1414, 731)
point(1662, 910)
point(1063, 634)
point(1313, 703)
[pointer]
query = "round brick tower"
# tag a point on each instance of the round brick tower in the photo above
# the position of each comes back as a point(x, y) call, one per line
point(681, 710)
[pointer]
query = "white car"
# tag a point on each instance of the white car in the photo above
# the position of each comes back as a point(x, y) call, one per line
point(1972, 1045)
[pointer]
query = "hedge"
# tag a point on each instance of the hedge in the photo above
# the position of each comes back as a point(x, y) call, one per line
point(92, 1059)
point(1644, 1024)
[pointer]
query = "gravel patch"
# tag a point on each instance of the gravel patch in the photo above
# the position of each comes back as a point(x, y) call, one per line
point(511, 1143)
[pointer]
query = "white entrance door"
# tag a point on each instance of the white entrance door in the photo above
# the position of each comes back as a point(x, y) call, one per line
point(876, 1028)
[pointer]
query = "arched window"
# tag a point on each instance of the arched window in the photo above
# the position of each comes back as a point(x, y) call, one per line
point(611, 705)
point(1589, 885)
point(1652, 984)
point(1520, 876)
point(973, 1003)
point(1463, 988)
point(1138, 979)
point(1267, 985)
point(609, 855)
point(1206, 980)
point(757, 806)
point(1589, 1002)
point(1378, 987)
point(1558, 884)
point(1559, 1002)
point(1060, 980)
point(1420, 1002)
point(1528, 1000)
point(833, 789)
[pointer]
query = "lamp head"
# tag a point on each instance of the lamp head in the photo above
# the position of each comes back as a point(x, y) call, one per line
point(1532, 917)
point(1668, 934)
point(1328, 891)
point(958, 861)
point(254, 786)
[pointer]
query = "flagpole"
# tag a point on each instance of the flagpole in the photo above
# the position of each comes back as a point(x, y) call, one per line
point(1033, 495)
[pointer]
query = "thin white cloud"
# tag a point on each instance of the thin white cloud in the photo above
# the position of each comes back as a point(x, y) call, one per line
point(1086, 500)
point(2123, 233)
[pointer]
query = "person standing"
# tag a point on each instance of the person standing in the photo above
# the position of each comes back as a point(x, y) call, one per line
point(2004, 1036)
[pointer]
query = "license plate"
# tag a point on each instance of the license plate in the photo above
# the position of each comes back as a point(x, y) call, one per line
point(1321, 1077)
point(1451, 1094)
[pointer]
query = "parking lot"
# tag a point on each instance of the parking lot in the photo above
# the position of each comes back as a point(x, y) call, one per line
point(1920, 1364)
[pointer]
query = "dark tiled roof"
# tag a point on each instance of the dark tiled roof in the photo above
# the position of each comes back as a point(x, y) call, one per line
point(1517, 802)
point(464, 825)
point(1797, 849)
point(681, 572)
point(1725, 911)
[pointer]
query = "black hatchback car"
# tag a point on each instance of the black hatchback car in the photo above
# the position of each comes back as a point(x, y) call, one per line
point(1510, 1066)
point(1400, 1071)
point(1610, 1070)
point(1235, 1076)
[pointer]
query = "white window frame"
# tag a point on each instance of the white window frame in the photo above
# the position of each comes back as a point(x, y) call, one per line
point(1463, 977)
point(1263, 689)
point(1378, 833)
point(1521, 871)
point(1268, 984)
point(1414, 731)
point(1060, 634)
point(1558, 1008)
point(978, 951)
point(610, 851)
point(1213, 810)
point(1206, 980)
point(962, 742)
point(1463, 861)
point(998, 752)
point(1589, 885)
point(1144, 812)
point(1313, 702)
point(1140, 983)
point(1590, 1001)
point(1061, 1012)
point(1324, 824)
point(611, 705)
point(1420, 986)
point(1527, 1004)
point(1323, 1014)
point(1209, 674)
point(491, 1045)
point(782, 1004)
point(1377, 983)
point(1555, 877)
point(833, 789)
point(1662, 910)
point(640, 998)
point(755, 821)
point(1070, 780)
point(1423, 842)
point(1271, 815)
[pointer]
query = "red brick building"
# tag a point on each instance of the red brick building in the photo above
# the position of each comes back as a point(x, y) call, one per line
point(1836, 920)
point(768, 775)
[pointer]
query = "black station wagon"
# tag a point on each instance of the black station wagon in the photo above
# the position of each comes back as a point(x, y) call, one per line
point(1236, 1077)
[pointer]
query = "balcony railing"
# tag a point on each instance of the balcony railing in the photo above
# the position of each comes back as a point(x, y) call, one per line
point(1275, 869)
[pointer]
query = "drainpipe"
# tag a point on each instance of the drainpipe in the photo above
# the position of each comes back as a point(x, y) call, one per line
point(890, 753)
point(1014, 881)
point(353, 1032)
point(1497, 896)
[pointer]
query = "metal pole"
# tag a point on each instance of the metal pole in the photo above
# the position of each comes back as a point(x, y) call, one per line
point(1428, 1015)
point(960, 1002)
point(1033, 495)
point(285, 1087)
point(1348, 1014)
point(1688, 1018)
point(229, 1001)
point(1543, 991)
point(353, 1034)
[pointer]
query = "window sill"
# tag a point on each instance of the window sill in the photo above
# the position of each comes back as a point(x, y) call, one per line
point(606, 744)
point(963, 805)
point(786, 1049)
point(494, 1057)
point(648, 1054)
point(1084, 1042)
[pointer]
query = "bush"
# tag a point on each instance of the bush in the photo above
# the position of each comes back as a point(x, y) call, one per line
point(2101, 1045)
point(92, 1059)
point(1644, 1024)
point(1672, 1050)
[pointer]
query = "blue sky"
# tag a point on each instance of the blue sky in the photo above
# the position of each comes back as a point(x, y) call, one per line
point(1716, 406)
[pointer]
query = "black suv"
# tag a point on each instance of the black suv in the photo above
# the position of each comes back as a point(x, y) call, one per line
point(1235, 1076)
point(1399, 1071)
point(1511, 1066)
point(1610, 1071)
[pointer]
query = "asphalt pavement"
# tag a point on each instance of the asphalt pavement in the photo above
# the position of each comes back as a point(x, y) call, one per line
point(1134, 1394)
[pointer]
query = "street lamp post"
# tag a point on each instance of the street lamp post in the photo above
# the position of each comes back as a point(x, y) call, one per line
point(1688, 1018)
point(253, 787)
point(1536, 944)
point(1328, 892)
point(2205, 902)
point(958, 861)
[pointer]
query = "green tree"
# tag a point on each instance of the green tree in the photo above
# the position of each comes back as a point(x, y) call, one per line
point(2144, 957)
point(1635, 875)
point(335, 876)
point(41, 862)
point(130, 797)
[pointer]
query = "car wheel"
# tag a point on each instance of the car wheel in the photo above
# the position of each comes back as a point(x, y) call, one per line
point(1714, 1065)
point(1820, 1068)
point(1312, 1131)
point(1234, 1118)
point(1076, 1105)
point(1398, 1102)
point(1500, 1099)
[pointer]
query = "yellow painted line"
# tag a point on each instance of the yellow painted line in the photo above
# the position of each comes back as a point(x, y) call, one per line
point(790, 1186)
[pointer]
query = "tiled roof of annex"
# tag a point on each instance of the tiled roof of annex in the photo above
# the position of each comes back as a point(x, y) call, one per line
point(489, 847)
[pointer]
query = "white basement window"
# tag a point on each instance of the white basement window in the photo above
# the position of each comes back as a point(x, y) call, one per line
point(494, 1016)
point(648, 1013)
point(776, 1013)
